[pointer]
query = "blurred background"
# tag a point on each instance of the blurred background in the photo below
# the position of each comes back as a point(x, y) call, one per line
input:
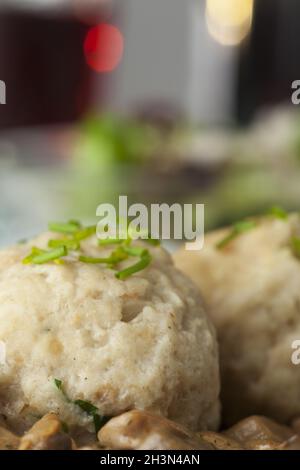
point(161, 100)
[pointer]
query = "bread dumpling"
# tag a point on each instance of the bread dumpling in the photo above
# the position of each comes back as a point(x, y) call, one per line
point(73, 331)
point(251, 284)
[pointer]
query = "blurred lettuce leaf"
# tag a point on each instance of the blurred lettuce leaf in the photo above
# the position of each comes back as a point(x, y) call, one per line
point(109, 153)
point(106, 140)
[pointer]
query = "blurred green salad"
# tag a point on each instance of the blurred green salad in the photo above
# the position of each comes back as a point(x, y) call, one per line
point(106, 140)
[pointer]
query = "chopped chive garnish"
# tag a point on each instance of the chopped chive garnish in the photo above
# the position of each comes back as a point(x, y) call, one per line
point(74, 233)
point(119, 254)
point(92, 410)
point(116, 257)
point(69, 227)
point(153, 241)
point(278, 213)
point(142, 235)
point(244, 226)
point(43, 256)
point(34, 252)
point(295, 244)
point(238, 229)
point(91, 260)
point(99, 421)
point(110, 241)
point(67, 242)
point(86, 406)
point(85, 233)
point(135, 251)
point(75, 222)
point(145, 260)
point(59, 386)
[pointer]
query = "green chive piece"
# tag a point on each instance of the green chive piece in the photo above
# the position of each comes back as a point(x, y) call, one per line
point(85, 233)
point(45, 256)
point(92, 410)
point(226, 240)
point(119, 254)
point(295, 244)
point(110, 241)
point(278, 213)
point(145, 260)
point(75, 222)
point(99, 421)
point(153, 241)
point(116, 257)
point(75, 232)
point(58, 384)
point(34, 252)
point(67, 242)
point(135, 251)
point(238, 229)
point(142, 235)
point(69, 227)
point(244, 226)
point(91, 260)
point(86, 406)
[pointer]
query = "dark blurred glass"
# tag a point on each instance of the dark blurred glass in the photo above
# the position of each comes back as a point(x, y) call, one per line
point(43, 65)
point(269, 58)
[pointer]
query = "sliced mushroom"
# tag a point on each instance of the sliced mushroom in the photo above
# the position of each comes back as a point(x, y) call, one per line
point(83, 438)
point(293, 443)
point(260, 433)
point(220, 441)
point(46, 434)
point(296, 425)
point(140, 430)
point(8, 440)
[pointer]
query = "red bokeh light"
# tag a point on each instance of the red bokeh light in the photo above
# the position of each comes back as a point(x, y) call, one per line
point(103, 47)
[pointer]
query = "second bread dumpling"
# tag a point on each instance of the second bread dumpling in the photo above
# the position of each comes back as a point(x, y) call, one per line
point(250, 279)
